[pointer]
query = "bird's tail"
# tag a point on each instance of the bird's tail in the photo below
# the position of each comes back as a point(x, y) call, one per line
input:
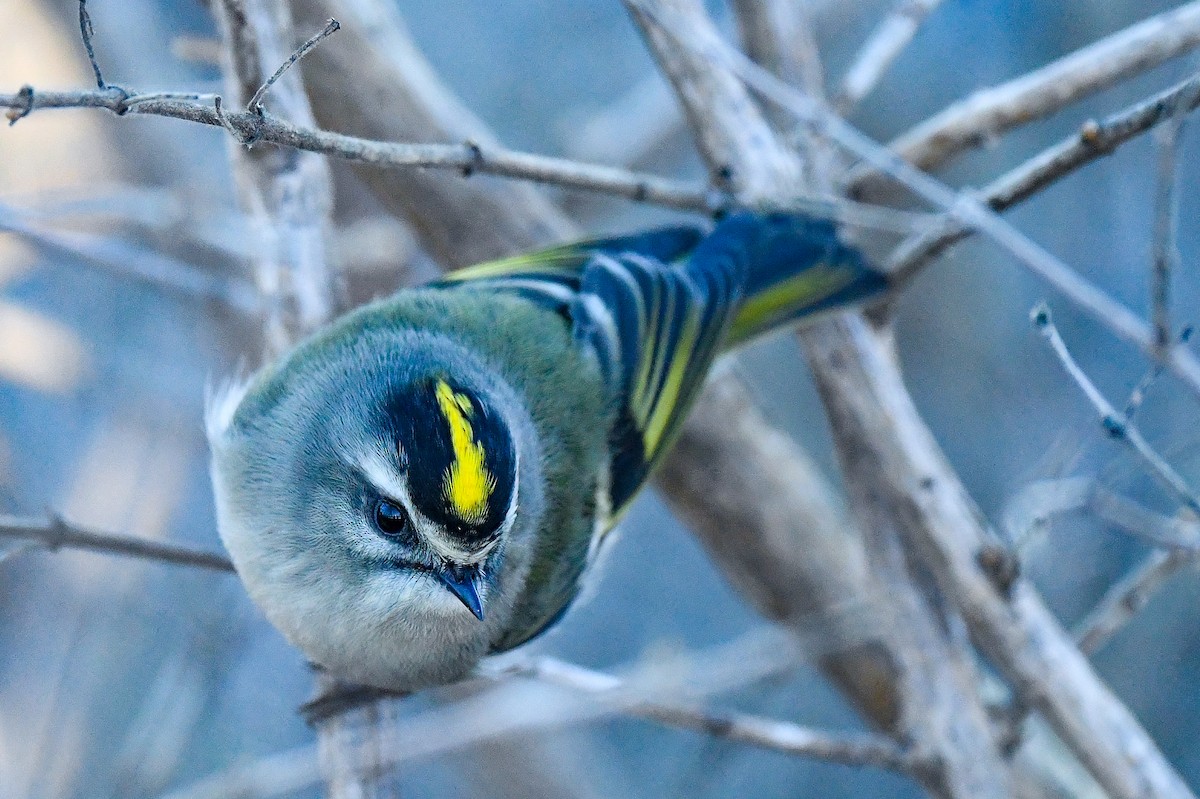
point(790, 266)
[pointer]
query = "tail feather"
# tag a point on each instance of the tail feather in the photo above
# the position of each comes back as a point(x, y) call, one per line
point(789, 266)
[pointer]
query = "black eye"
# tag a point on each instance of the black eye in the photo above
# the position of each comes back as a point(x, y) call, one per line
point(391, 519)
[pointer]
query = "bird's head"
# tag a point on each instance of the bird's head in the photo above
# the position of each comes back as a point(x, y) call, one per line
point(378, 474)
point(440, 483)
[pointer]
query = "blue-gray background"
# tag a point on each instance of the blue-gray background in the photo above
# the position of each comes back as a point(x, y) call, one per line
point(124, 679)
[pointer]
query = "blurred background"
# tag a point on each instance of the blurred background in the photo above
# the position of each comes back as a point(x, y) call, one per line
point(125, 679)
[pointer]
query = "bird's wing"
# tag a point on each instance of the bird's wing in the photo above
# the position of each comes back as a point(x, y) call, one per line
point(655, 330)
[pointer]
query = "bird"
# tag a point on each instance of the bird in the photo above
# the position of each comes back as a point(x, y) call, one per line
point(426, 481)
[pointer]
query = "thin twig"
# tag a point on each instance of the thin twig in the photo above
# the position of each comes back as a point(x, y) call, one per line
point(883, 47)
point(766, 733)
point(1127, 597)
point(1029, 510)
point(1115, 424)
point(1165, 532)
point(514, 705)
point(86, 31)
point(988, 113)
point(255, 105)
point(56, 533)
point(1142, 389)
point(151, 268)
point(890, 449)
point(467, 158)
point(1094, 140)
point(1166, 224)
point(1037, 503)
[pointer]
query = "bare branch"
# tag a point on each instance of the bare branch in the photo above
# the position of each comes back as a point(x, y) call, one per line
point(466, 158)
point(515, 705)
point(990, 112)
point(705, 92)
point(144, 266)
point(1166, 224)
point(777, 34)
point(1029, 510)
point(1094, 140)
point(884, 46)
point(1039, 502)
point(1127, 597)
point(1116, 425)
point(1167, 532)
point(894, 452)
point(56, 533)
point(376, 83)
point(255, 104)
point(287, 199)
point(766, 733)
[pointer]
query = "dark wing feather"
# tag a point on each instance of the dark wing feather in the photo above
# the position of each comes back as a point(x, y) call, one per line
point(656, 330)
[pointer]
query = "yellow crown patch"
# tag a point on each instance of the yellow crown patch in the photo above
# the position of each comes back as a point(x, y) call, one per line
point(467, 484)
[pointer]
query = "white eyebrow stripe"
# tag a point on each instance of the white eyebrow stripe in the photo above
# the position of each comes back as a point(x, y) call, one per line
point(384, 478)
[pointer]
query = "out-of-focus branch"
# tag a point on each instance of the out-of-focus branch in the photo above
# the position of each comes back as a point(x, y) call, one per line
point(1125, 598)
point(146, 266)
point(939, 708)
point(881, 49)
point(55, 533)
point(1090, 299)
point(895, 454)
point(766, 733)
point(697, 84)
point(664, 690)
point(1117, 426)
point(1165, 255)
point(777, 34)
point(1094, 140)
point(288, 197)
point(990, 112)
point(1036, 504)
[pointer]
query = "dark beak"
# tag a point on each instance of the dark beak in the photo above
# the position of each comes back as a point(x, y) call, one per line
point(463, 582)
